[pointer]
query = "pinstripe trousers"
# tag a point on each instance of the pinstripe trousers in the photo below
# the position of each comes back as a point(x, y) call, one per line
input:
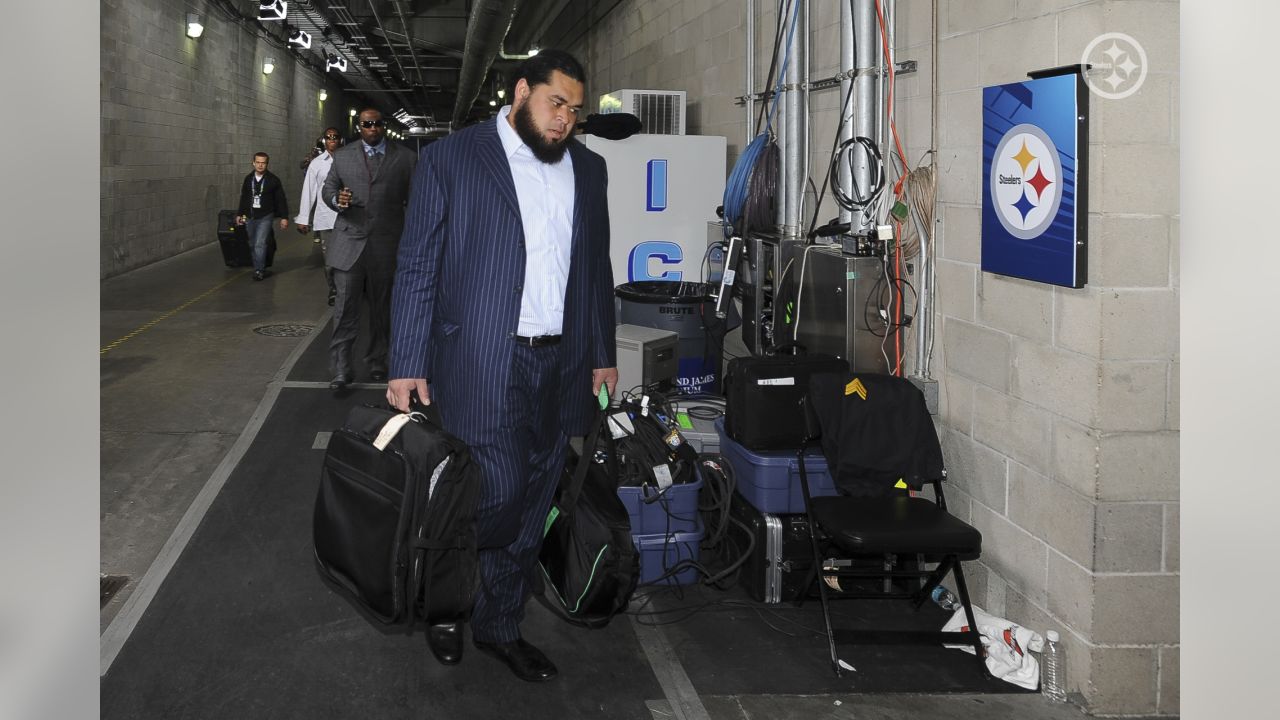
point(521, 465)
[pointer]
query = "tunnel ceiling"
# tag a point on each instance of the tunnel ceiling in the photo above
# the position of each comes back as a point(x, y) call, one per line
point(432, 62)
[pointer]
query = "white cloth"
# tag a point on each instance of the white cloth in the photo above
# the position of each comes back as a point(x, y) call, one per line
point(545, 193)
point(312, 184)
point(1009, 646)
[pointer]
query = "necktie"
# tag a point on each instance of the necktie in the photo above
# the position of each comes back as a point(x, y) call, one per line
point(375, 159)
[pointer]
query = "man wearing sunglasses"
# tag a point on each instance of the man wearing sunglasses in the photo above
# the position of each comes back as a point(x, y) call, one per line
point(312, 184)
point(368, 187)
point(503, 303)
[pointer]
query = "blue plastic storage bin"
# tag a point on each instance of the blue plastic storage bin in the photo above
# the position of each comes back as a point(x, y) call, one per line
point(770, 480)
point(660, 552)
point(675, 510)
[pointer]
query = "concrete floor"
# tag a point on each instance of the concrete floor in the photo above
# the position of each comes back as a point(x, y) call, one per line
point(183, 375)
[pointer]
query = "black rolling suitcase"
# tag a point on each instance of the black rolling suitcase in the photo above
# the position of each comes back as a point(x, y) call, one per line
point(394, 521)
point(235, 242)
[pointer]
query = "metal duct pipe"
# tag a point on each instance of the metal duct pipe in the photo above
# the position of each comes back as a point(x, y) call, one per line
point(486, 29)
point(751, 73)
point(848, 68)
point(794, 122)
point(866, 91)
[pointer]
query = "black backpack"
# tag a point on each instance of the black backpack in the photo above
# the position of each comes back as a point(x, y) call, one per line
point(394, 528)
point(588, 559)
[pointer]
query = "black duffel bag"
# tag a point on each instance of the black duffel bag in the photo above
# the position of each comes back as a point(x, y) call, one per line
point(394, 521)
point(588, 559)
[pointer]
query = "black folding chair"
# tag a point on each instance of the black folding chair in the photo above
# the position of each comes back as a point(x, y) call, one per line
point(876, 430)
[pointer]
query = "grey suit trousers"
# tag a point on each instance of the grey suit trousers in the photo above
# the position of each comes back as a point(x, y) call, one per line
point(371, 281)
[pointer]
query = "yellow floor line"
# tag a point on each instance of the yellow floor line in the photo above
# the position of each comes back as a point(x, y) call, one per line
point(117, 343)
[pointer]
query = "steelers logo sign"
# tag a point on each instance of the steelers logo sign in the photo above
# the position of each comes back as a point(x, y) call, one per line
point(1026, 181)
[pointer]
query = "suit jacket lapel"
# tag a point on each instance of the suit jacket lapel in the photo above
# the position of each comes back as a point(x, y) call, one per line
point(494, 159)
point(579, 194)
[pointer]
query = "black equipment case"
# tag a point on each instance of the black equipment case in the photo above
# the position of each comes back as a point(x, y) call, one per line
point(394, 522)
point(762, 408)
point(780, 560)
point(234, 241)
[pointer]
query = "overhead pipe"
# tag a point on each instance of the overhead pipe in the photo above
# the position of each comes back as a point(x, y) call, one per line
point(486, 28)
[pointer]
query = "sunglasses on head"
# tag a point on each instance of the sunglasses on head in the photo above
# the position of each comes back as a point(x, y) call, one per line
point(371, 123)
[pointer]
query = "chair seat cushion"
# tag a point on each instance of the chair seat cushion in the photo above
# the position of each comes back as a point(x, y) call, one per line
point(894, 524)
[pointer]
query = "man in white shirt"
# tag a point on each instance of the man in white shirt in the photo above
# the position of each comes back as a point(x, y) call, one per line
point(503, 319)
point(325, 216)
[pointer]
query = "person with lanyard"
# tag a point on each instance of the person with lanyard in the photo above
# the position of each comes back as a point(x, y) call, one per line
point(262, 200)
point(312, 184)
point(368, 186)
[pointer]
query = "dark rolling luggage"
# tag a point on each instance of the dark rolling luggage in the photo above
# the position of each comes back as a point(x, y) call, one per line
point(234, 242)
point(394, 527)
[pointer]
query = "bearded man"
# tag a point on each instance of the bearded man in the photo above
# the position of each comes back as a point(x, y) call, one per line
point(502, 316)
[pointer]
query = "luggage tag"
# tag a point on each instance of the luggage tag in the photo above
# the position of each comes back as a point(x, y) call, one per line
point(662, 473)
point(620, 425)
point(392, 428)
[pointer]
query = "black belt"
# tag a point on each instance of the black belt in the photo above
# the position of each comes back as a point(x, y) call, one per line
point(537, 341)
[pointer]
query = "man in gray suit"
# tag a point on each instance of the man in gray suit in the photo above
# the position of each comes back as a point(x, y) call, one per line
point(368, 185)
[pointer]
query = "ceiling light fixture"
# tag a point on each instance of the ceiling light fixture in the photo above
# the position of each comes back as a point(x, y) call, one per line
point(272, 10)
point(194, 26)
point(300, 38)
point(501, 93)
point(268, 65)
point(493, 103)
point(336, 62)
point(533, 51)
point(324, 95)
point(352, 112)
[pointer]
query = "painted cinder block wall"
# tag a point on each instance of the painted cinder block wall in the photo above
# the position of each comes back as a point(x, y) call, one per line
point(181, 119)
point(1058, 407)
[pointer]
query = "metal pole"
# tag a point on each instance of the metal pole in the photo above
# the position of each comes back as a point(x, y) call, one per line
point(848, 65)
point(866, 94)
point(751, 72)
point(793, 150)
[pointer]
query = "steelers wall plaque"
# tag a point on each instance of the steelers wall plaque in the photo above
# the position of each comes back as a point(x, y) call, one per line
point(1034, 212)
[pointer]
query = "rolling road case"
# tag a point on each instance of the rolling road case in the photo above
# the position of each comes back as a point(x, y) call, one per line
point(235, 242)
point(780, 560)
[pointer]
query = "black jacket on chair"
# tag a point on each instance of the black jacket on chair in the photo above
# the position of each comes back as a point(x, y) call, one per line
point(876, 430)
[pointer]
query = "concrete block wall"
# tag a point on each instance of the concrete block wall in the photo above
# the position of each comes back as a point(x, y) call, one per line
point(1059, 407)
point(1061, 404)
point(181, 119)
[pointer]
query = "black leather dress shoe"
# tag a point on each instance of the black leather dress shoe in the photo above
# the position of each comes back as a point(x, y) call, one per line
point(445, 641)
point(339, 381)
point(526, 661)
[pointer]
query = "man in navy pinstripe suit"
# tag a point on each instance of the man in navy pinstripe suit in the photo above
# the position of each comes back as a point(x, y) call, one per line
point(502, 314)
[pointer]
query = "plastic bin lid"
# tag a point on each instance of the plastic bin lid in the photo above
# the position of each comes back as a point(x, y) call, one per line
point(664, 291)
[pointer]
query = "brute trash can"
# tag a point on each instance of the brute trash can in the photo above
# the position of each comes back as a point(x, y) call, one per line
point(688, 310)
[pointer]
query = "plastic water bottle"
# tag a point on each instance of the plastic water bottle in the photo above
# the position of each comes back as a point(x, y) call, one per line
point(1053, 669)
point(945, 600)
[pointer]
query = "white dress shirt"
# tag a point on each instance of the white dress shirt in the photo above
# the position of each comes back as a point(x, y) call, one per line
point(545, 193)
point(312, 185)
